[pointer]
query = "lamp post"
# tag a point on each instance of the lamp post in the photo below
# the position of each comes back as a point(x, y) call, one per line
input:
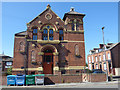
point(105, 53)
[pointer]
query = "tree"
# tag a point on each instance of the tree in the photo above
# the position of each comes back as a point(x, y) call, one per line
point(86, 65)
point(9, 71)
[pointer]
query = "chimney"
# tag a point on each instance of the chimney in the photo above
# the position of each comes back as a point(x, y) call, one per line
point(48, 6)
point(72, 9)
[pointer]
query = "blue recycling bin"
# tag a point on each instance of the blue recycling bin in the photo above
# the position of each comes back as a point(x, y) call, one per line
point(11, 80)
point(20, 79)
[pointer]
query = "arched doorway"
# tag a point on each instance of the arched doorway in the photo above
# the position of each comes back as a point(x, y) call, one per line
point(48, 61)
point(48, 58)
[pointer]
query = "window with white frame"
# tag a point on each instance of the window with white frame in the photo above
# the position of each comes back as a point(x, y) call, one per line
point(104, 66)
point(96, 51)
point(92, 60)
point(8, 63)
point(99, 57)
point(89, 60)
point(96, 66)
point(90, 67)
point(108, 56)
point(96, 58)
point(103, 56)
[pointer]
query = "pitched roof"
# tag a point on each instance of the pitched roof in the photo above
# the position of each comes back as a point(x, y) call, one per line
point(72, 12)
point(109, 45)
point(8, 59)
point(114, 45)
point(48, 8)
point(2, 55)
point(23, 33)
point(76, 13)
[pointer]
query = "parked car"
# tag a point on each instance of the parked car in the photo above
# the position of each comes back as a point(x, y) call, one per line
point(97, 71)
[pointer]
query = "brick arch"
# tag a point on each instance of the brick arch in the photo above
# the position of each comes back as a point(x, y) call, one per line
point(34, 27)
point(54, 26)
point(48, 46)
point(21, 46)
point(61, 28)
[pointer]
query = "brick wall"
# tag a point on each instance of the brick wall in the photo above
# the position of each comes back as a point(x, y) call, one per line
point(4, 80)
point(78, 78)
point(96, 77)
point(63, 79)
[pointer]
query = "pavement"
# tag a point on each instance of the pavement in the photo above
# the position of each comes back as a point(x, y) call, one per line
point(112, 84)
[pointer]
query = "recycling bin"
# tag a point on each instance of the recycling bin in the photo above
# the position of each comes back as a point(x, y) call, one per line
point(30, 79)
point(20, 79)
point(11, 80)
point(39, 79)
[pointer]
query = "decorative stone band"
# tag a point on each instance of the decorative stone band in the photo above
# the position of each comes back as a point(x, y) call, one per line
point(52, 41)
point(42, 53)
point(19, 36)
point(49, 41)
point(55, 53)
point(29, 69)
point(76, 41)
point(72, 68)
point(71, 31)
point(55, 68)
point(78, 31)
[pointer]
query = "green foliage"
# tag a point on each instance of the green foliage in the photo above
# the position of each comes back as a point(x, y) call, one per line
point(9, 71)
point(86, 65)
point(87, 71)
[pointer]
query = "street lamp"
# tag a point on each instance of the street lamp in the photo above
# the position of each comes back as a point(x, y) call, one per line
point(105, 53)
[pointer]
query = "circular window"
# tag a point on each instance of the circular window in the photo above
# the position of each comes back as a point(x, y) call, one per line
point(48, 16)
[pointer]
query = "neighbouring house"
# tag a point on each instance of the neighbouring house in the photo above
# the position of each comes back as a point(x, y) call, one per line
point(0, 65)
point(6, 62)
point(51, 45)
point(107, 60)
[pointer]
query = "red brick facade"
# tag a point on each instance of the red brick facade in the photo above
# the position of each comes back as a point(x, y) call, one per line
point(67, 55)
point(109, 62)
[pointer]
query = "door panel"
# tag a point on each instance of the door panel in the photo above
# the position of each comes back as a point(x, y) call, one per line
point(48, 63)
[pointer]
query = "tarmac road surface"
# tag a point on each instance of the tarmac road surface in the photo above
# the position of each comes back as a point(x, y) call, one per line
point(84, 86)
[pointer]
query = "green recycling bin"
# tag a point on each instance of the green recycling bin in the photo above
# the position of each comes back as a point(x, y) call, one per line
point(30, 79)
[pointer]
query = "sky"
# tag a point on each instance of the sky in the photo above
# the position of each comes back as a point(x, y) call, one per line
point(15, 15)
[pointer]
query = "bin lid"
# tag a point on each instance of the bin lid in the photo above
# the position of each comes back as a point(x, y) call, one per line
point(30, 75)
point(11, 75)
point(40, 75)
point(20, 75)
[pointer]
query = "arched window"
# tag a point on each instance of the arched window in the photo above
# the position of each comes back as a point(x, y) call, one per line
point(73, 25)
point(34, 33)
point(21, 47)
point(33, 57)
point(45, 34)
point(61, 36)
point(104, 66)
point(96, 66)
point(48, 33)
point(51, 34)
point(77, 50)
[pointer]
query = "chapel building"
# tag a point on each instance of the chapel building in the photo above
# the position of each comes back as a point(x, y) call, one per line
point(51, 45)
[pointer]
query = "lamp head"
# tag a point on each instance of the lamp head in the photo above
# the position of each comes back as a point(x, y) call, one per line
point(103, 28)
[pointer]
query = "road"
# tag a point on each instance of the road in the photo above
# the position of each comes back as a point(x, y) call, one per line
point(71, 85)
